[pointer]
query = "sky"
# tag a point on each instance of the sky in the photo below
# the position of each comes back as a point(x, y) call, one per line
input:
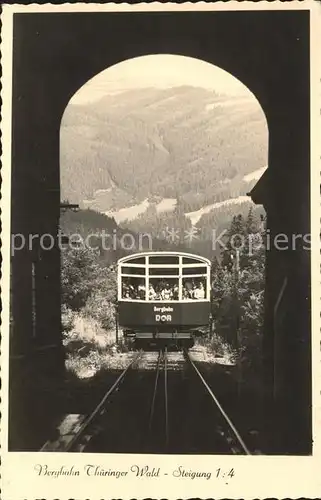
point(161, 71)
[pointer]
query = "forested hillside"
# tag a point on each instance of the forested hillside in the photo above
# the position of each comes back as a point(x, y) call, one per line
point(118, 241)
point(175, 227)
point(238, 278)
point(184, 142)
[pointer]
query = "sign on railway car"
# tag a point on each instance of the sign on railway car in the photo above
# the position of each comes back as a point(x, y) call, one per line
point(146, 314)
point(163, 317)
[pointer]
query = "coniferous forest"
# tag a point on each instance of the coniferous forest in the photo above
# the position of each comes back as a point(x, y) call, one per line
point(185, 142)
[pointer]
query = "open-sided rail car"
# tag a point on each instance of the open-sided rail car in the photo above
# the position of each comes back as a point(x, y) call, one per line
point(163, 297)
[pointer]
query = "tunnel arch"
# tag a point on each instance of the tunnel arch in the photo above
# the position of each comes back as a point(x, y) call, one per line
point(243, 78)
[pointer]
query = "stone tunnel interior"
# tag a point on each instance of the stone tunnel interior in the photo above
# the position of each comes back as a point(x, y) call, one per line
point(53, 56)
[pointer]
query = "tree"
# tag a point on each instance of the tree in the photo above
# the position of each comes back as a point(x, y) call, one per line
point(238, 288)
point(79, 270)
point(236, 236)
point(101, 304)
point(251, 222)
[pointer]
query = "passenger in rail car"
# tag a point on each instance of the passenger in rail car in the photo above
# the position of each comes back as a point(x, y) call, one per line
point(133, 291)
point(199, 291)
point(141, 291)
point(156, 294)
point(188, 290)
point(160, 289)
point(125, 290)
point(175, 292)
point(128, 291)
point(152, 295)
point(167, 293)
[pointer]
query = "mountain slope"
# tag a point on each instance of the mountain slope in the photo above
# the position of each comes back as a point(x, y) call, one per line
point(152, 144)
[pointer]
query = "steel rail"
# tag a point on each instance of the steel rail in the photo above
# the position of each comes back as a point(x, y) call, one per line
point(89, 419)
point(166, 399)
point(152, 408)
point(228, 420)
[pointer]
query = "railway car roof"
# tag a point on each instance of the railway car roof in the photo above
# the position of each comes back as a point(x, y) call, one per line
point(128, 258)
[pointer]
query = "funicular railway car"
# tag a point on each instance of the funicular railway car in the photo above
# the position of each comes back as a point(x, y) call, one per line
point(163, 297)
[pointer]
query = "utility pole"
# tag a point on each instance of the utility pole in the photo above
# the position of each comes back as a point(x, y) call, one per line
point(64, 206)
point(211, 325)
point(237, 264)
point(237, 323)
point(116, 322)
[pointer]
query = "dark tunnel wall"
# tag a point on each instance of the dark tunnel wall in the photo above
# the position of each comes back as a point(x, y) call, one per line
point(54, 55)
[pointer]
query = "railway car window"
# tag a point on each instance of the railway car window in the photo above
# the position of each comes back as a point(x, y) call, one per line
point(163, 271)
point(194, 288)
point(133, 288)
point(133, 270)
point(163, 259)
point(189, 260)
point(194, 270)
point(137, 260)
point(163, 289)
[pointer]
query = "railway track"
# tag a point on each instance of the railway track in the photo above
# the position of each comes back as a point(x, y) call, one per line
point(232, 436)
point(223, 425)
point(167, 423)
point(166, 399)
point(152, 408)
point(162, 409)
point(89, 427)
